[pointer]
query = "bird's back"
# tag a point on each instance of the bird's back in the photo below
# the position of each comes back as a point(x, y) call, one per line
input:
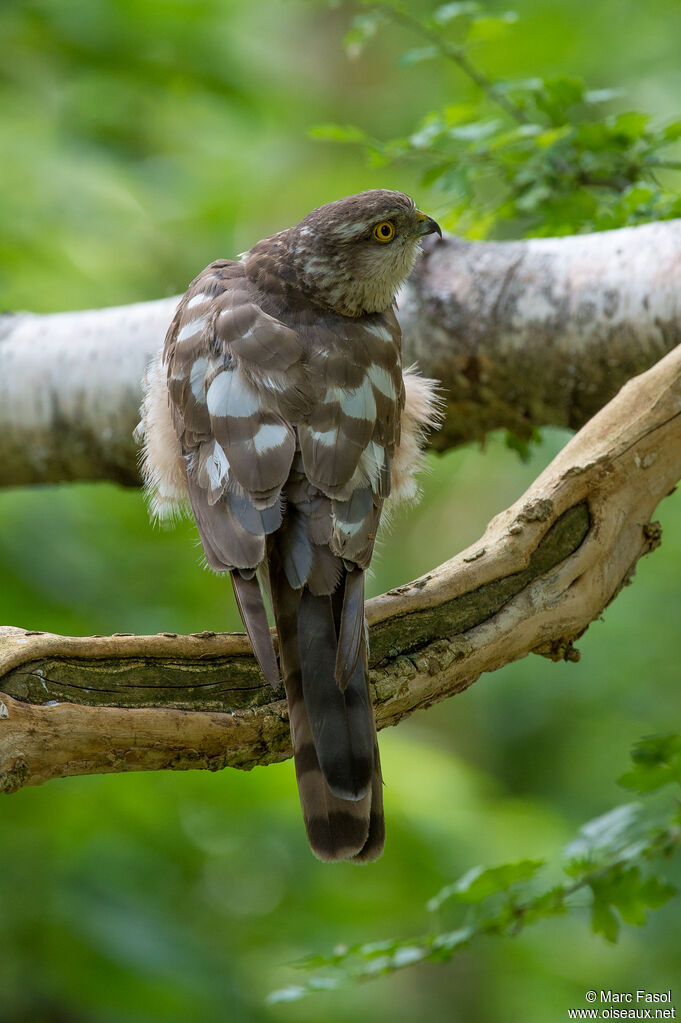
point(284, 382)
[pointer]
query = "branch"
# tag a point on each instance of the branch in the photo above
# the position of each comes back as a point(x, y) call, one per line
point(543, 332)
point(543, 570)
point(522, 334)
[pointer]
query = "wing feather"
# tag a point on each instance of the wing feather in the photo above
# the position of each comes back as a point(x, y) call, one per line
point(232, 379)
point(237, 440)
point(287, 430)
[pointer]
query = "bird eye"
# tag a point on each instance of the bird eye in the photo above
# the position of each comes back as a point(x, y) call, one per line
point(384, 232)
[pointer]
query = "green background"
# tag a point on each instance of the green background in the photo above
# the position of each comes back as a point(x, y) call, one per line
point(139, 142)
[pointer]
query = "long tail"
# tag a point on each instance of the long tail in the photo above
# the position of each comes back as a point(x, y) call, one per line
point(333, 730)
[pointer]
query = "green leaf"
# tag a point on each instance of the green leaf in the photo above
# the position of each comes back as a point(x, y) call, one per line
point(672, 131)
point(594, 136)
point(549, 903)
point(479, 883)
point(455, 181)
point(378, 157)
point(657, 893)
point(406, 955)
point(639, 196)
point(552, 135)
point(487, 28)
point(292, 993)
point(337, 133)
point(565, 90)
point(449, 940)
point(604, 921)
point(630, 894)
point(595, 96)
point(610, 858)
point(419, 54)
point(372, 949)
point(475, 131)
point(374, 967)
point(434, 173)
point(606, 836)
point(430, 129)
point(448, 12)
point(363, 29)
point(630, 125)
point(534, 197)
point(656, 762)
point(518, 85)
point(516, 135)
point(458, 113)
point(558, 96)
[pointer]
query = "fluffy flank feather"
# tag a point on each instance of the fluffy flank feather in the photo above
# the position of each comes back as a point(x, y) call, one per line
point(423, 411)
point(161, 462)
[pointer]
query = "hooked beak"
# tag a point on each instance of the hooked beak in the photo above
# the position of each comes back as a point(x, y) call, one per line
point(427, 225)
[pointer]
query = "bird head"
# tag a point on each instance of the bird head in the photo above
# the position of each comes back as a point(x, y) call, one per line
point(352, 255)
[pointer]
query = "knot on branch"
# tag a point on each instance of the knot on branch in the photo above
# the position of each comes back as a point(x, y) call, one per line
point(559, 650)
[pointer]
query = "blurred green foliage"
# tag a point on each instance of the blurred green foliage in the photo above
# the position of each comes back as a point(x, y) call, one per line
point(532, 156)
point(141, 139)
point(611, 857)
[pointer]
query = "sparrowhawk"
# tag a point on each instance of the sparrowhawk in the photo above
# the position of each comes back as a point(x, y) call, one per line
point(278, 410)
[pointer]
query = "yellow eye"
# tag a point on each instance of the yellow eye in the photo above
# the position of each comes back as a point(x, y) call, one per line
point(384, 232)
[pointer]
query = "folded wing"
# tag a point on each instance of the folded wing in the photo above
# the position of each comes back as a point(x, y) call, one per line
point(235, 381)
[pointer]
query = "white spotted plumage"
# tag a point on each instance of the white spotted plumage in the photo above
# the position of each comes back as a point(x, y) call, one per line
point(382, 381)
point(269, 436)
point(279, 406)
point(229, 395)
point(192, 328)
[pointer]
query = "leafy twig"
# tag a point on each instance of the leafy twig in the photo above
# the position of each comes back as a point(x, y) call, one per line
point(458, 55)
point(610, 858)
point(554, 164)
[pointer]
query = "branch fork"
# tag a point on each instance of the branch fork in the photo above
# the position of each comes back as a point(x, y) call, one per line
point(543, 570)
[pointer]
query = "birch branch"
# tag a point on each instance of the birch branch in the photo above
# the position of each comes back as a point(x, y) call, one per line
point(544, 569)
point(522, 334)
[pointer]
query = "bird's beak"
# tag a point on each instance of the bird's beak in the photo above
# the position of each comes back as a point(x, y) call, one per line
point(427, 225)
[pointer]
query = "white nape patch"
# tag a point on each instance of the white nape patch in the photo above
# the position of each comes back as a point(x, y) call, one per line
point(270, 435)
point(359, 403)
point(196, 300)
point(192, 328)
point(378, 331)
point(161, 462)
point(197, 379)
point(228, 395)
point(305, 232)
point(382, 381)
point(217, 467)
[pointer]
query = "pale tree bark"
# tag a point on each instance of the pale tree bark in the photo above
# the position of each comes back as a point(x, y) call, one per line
point(543, 570)
point(522, 334)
